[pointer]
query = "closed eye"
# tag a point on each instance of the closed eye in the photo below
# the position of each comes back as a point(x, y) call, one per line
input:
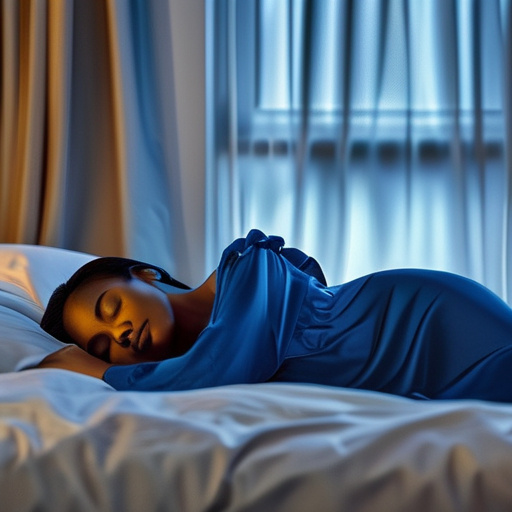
point(97, 307)
point(107, 308)
point(113, 308)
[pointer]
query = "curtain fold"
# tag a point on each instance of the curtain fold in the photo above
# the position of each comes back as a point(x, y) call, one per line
point(373, 134)
point(89, 148)
point(506, 267)
point(50, 206)
point(23, 116)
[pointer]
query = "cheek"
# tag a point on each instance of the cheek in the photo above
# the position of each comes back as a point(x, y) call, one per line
point(79, 326)
point(161, 321)
point(162, 325)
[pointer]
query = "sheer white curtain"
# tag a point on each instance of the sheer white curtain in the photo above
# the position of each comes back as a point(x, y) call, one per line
point(92, 158)
point(371, 133)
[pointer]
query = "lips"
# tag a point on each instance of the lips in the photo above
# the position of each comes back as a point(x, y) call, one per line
point(142, 340)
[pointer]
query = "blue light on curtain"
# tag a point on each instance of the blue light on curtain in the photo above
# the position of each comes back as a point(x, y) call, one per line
point(371, 133)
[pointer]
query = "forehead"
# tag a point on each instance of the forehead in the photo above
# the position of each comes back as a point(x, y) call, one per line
point(80, 304)
point(88, 292)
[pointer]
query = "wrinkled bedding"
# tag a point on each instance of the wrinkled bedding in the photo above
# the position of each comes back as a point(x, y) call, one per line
point(70, 442)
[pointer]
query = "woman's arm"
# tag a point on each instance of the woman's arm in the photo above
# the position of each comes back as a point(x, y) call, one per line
point(255, 310)
point(75, 359)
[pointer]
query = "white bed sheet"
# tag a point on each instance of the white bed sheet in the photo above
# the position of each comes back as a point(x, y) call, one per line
point(71, 443)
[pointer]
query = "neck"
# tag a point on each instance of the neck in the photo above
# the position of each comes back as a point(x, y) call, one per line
point(192, 313)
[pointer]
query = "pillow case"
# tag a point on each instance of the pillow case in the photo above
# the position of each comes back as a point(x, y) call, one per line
point(28, 276)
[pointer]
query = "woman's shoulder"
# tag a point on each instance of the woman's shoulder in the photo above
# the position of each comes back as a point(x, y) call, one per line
point(255, 238)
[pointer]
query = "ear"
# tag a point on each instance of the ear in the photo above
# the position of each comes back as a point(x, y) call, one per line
point(149, 275)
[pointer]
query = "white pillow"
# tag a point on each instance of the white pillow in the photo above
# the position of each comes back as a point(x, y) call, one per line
point(28, 276)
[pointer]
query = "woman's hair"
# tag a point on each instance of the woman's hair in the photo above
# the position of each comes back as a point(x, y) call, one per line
point(100, 268)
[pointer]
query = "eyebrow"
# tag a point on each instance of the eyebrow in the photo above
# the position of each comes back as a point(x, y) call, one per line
point(97, 307)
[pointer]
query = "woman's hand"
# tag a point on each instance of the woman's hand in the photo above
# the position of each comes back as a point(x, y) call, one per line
point(73, 358)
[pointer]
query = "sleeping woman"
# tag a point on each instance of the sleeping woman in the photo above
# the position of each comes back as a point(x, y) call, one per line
point(267, 315)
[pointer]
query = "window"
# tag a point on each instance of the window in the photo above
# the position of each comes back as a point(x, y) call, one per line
point(378, 122)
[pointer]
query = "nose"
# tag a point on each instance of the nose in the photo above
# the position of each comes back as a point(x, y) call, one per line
point(122, 334)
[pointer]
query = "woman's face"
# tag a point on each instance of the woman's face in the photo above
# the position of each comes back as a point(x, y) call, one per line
point(122, 321)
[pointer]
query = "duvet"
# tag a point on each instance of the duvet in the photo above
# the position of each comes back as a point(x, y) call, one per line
point(71, 442)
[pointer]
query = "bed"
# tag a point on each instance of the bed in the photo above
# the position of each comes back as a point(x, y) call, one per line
point(70, 442)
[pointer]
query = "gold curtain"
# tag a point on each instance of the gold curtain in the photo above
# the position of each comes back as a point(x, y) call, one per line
point(91, 154)
point(58, 78)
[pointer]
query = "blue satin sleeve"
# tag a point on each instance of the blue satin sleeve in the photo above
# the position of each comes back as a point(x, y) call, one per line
point(416, 333)
point(304, 263)
point(258, 298)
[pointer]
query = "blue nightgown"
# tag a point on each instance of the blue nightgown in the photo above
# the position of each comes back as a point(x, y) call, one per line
point(416, 333)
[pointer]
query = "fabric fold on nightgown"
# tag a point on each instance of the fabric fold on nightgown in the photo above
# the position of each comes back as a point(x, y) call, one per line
point(258, 298)
point(416, 333)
